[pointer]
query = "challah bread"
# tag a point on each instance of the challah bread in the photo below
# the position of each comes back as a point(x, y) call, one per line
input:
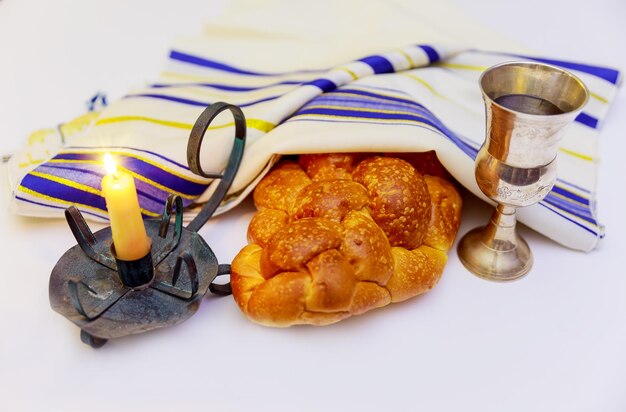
point(337, 235)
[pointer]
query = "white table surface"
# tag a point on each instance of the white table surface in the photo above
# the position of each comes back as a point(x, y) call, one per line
point(554, 341)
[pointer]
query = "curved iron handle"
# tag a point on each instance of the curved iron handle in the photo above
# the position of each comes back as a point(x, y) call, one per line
point(193, 157)
point(221, 289)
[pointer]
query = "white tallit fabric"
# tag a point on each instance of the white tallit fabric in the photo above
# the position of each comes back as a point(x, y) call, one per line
point(393, 76)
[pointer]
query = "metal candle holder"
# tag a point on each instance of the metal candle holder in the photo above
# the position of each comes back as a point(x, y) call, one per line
point(110, 298)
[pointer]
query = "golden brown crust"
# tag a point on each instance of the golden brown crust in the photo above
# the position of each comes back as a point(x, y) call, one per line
point(445, 217)
point(368, 296)
point(279, 188)
point(294, 245)
point(279, 301)
point(331, 166)
point(245, 274)
point(332, 283)
point(366, 247)
point(415, 271)
point(264, 224)
point(329, 199)
point(426, 163)
point(338, 235)
point(400, 202)
point(322, 319)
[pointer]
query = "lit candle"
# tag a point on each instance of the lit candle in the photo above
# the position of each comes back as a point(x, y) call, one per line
point(127, 228)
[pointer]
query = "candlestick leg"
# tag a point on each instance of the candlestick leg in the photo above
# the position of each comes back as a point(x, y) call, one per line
point(91, 340)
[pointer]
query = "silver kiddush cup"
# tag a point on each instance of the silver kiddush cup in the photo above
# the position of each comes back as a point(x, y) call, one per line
point(528, 106)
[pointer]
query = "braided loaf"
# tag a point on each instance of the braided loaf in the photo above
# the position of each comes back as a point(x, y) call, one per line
point(336, 235)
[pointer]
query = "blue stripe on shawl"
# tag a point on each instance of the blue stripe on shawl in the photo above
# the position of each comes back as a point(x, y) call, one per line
point(568, 219)
point(571, 195)
point(587, 120)
point(197, 103)
point(432, 54)
point(324, 84)
point(23, 199)
point(61, 191)
point(147, 170)
point(225, 87)
point(379, 64)
point(160, 156)
point(467, 149)
point(213, 64)
point(609, 74)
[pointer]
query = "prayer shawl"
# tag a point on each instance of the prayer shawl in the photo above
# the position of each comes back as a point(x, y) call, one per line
point(395, 76)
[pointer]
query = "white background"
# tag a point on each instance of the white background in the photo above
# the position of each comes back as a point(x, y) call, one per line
point(554, 341)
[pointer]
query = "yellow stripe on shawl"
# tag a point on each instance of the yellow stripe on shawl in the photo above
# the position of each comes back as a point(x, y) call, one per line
point(71, 184)
point(134, 156)
point(67, 182)
point(368, 120)
point(135, 175)
point(576, 154)
point(57, 200)
point(259, 124)
point(425, 84)
point(350, 72)
point(407, 56)
point(358, 109)
point(462, 66)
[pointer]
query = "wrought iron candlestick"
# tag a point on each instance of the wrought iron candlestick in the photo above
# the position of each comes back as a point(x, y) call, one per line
point(528, 106)
point(110, 298)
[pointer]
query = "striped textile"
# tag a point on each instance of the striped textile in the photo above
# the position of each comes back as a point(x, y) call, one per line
point(416, 98)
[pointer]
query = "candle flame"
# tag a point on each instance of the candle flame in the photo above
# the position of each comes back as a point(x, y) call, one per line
point(109, 164)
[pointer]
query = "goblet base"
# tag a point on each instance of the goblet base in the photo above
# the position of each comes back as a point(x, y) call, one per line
point(496, 252)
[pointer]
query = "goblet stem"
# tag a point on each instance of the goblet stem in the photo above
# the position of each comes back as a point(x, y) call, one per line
point(501, 228)
point(496, 251)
